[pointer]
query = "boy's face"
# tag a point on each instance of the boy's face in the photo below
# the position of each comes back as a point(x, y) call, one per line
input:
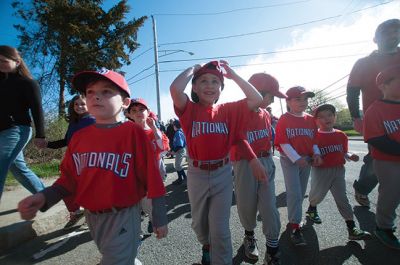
point(298, 104)
point(326, 120)
point(391, 89)
point(267, 99)
point(105, 102)
point(208, 88)
point(138, 113)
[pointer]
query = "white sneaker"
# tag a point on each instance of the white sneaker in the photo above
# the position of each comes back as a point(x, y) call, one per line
point(137, 262)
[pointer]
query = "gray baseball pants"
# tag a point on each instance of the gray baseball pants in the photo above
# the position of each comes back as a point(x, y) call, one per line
point(296, 179)
point(388, 173)
point(330, 179)
point(252, 195)
point(210, 196)
point(179, 156)
point(116, 235)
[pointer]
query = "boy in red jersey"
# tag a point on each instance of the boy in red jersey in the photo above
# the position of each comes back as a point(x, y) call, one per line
point(330, 175)
point(296, 143)
point(108, 167)
point(382, 132)
point(253, 195)
point(211, 130)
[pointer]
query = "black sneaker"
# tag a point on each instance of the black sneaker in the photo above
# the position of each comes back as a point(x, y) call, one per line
point(177, 182)
point(250, 247)
point(313, 216)
point(387, 237)
point(205, 258)
point(358, 234)
point(150, 227)
point(297, 238)
point(272, 259)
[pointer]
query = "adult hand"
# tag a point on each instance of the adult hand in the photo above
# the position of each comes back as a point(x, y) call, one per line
point(29, 206)
point(161, 231)
point(40, 142)
point(358, 125)
point(258, 170)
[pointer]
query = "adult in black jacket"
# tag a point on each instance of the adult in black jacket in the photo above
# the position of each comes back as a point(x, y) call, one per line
point(19, 97)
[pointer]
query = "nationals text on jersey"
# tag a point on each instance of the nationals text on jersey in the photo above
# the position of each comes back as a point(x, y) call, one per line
point(117, 163)
point(256, 135)
point(392, 126)
point(204, 127)
point(331, 149)
point(293, 132)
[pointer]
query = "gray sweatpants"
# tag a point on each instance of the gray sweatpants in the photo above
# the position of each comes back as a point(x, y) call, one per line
point(210, 196)
point(296, 179)
point(253, 195)
point(116, 235)
point(330, 179)
point(388, 173)
point(179, 156)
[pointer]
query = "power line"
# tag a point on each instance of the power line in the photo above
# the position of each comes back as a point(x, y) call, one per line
point(230, 11)
point(273, 29)
point(337, 81)
point(149, 49)
point(264, 53)
point(147, 68)
point(133, 82)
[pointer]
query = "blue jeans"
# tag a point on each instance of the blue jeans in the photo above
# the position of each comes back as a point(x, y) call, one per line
point(12, 143)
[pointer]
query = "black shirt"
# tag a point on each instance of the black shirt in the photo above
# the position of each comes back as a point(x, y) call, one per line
point(18, 96)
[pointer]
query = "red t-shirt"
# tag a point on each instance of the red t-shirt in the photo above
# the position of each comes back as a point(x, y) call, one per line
point(156, 148)
point(382, 118)
point(211, 131)
point(257, 132)
point(106, 167)
point(299, 132)
point(333, 147)
point(364, 72)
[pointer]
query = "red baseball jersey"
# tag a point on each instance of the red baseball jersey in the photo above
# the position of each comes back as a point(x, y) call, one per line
point(156, 148)
point(211, 131)
point(364, 73)
point(299, 132)
point(382, 118)
point(258, 134)
point(110, 167)
point(333, 147)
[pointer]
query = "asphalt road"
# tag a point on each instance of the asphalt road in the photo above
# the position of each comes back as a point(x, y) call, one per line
point(328, 243)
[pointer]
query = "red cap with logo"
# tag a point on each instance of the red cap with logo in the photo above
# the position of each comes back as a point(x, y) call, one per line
point(212, 67)
point(266, 83)
point(298, 91)
point(388, 74)
point(82, 79)
point(140, 101)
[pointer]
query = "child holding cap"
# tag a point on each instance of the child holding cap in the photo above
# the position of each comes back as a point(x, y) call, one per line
point(210, 131)
point(253, 195)
point(108, 167)
point(330, 175)
point(382, 132)
point(296, 142)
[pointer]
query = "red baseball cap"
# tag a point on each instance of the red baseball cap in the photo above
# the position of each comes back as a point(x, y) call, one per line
point(388, 74)
point(212, 67)
point(297, 91)
point(266, 83)
point(139, 101)
point(82, 79)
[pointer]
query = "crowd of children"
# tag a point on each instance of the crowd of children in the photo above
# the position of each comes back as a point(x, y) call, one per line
point(102, 158)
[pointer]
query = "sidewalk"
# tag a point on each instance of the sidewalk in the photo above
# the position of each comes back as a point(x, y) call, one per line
point(15, 231)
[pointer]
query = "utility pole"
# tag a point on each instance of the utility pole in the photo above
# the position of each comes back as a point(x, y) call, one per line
point(156, 68)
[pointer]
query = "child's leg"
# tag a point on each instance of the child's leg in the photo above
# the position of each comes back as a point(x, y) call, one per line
point(389, 195)
point(294, 188)
point(220, 208)
point(338, 191)
point(246, 194)
point(116, 234)
point(321, 182)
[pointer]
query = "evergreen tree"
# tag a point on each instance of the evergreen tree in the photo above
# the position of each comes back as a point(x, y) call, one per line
point(66, 36)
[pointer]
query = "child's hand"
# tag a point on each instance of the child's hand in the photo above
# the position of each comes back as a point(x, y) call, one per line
point(161, 231)
point(40, 143)
point(258, 170)
point(151, 122)
point(354, 157)
point(229, 73)
point(196, 68)
point(29, 206)
point(302, 162)
point(317, 160)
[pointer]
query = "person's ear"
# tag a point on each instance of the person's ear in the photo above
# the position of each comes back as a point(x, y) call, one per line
point(126, 102)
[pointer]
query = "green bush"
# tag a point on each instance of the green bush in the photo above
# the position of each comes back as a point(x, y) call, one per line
point(352, 133)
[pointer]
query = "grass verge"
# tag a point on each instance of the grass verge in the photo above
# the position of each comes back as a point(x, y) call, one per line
point(352, 133)
point(43, 170)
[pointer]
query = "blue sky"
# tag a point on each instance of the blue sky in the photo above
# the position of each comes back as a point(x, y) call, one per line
point(307, 53)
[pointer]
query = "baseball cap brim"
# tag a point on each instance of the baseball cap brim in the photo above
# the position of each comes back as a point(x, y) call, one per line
point(278, 94)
